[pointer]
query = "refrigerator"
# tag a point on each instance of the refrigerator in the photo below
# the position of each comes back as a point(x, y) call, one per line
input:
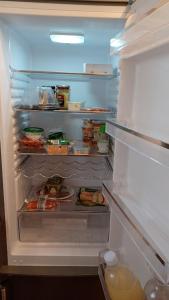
point(133, 176)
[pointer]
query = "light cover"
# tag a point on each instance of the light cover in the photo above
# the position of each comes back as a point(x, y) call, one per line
point(117, 43)
point(67, 38)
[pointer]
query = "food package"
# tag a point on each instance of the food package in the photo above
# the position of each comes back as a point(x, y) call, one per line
point(52, 187)
point(74, 106)
point(98, 68)
point(80, 148)
point(26, 142)
point(41, 204)
point(90, 196)
point(58, 149)
point(34, 133)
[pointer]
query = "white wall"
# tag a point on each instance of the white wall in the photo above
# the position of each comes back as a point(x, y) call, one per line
point(20, 52)
point(94, 92)
point(68, 58)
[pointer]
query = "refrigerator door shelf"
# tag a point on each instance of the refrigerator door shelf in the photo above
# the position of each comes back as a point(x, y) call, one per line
point(149, 32)
point(133, 244)
point(148, 146)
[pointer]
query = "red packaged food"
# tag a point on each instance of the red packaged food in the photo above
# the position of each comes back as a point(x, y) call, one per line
point(41, 204)
point(27, 142)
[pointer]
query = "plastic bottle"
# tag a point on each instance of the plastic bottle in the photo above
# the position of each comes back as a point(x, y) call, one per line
point(121, 282)
point(156, 290)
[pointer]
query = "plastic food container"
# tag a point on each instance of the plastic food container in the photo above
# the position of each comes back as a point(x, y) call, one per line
point(81, 150)
point(74, 106)
point(34, 133)
point(98, 68)
point(103, 146)
point(58, 149)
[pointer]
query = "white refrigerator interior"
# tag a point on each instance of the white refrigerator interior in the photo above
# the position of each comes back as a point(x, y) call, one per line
point(136, 176)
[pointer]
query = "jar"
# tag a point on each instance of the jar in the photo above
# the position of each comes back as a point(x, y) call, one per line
point(63, 95)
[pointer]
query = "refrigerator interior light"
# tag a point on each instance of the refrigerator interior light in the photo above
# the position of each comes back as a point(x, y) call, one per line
point(67, 38)
point(117, 43)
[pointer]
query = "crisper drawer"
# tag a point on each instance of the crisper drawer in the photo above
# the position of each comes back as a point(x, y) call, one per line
point(67, 227)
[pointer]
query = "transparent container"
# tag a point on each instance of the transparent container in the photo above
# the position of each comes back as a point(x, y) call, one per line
point(47, 98)
point(120, 281)
point(65, 227)
point(156, 290)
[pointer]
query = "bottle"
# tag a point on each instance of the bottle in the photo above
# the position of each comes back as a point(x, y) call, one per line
point(156, 290)
point(120, 281)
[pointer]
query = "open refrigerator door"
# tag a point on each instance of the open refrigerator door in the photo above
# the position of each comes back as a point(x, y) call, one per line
point(139, 190)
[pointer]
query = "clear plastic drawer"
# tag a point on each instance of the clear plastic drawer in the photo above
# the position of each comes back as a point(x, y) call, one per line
point(68, 227)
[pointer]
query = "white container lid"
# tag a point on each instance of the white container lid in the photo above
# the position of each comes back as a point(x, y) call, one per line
point(110, 258)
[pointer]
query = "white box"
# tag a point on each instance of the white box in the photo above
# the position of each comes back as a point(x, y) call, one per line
point(98, 68)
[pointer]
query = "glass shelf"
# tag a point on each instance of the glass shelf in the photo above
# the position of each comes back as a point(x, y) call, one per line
point(52, 75)
point(68, 205)
point(61, 111)
point(43, 152)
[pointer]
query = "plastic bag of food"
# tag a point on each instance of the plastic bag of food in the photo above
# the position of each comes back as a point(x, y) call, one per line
point(90, 196)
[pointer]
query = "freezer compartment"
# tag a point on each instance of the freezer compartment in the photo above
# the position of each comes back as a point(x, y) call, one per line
point(66, 227)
